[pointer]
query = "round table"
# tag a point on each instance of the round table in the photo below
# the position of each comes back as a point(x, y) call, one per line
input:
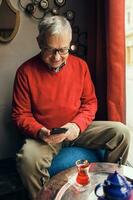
point(60, 186)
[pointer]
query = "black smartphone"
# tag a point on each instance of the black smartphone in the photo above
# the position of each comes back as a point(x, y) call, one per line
point(58, 130)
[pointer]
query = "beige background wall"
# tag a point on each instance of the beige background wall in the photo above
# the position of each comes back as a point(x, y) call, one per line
point(12, 54)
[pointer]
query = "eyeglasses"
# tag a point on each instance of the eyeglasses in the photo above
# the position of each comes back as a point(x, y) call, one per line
point(52, 51)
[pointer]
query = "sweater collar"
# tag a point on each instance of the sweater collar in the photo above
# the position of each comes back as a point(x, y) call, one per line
point(57, 69)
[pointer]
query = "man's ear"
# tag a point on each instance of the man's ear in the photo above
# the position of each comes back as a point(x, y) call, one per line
point(39, 42)
point(37, 38)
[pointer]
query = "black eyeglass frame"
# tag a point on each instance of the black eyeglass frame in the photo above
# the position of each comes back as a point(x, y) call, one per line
point(53, 51)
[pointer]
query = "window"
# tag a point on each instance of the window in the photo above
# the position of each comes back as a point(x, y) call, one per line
point(129, 70)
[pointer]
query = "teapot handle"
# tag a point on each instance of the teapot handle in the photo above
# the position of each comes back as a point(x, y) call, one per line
point(97, 188)
point(132, 184)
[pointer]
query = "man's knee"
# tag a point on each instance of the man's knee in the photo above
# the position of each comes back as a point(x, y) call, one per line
point(121, 132)
point(34, 156)
point(27, 156)
point(120, 129)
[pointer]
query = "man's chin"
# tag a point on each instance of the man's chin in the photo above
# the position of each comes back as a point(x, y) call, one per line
point(55, 66)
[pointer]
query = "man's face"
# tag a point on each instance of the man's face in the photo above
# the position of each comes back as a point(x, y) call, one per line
point(56, 47)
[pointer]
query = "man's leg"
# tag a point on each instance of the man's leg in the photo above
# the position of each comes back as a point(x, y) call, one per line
point(33, 160)
point(113, 136)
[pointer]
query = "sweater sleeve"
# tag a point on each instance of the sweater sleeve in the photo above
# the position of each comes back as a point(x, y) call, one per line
point(21, 106)
point(88, 107)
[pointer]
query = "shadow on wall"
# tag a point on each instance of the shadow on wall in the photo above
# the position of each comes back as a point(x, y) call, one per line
point(10, 140)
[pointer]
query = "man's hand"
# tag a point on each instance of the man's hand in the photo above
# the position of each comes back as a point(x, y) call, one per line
point(44, 132)
point(45, 136)
point(72, 132)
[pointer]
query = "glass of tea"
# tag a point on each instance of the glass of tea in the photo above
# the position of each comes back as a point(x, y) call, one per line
point(82, 178)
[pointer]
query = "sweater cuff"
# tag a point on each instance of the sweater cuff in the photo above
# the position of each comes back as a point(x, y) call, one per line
point(82, 125)
point(35, 131)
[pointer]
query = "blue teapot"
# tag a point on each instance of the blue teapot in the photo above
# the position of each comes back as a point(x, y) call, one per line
point(115, 187)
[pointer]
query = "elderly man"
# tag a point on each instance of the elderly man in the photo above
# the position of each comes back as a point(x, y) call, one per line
point(54, 89)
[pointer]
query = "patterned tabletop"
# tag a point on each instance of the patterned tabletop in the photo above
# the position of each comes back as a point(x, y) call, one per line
point(61, 186)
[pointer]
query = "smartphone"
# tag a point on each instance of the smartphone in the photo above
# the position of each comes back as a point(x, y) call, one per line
point(58, 130)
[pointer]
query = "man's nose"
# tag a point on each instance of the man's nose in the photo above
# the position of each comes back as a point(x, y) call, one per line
point(57, 55)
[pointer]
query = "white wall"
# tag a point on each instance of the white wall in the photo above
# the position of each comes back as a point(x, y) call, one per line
point(12, 54)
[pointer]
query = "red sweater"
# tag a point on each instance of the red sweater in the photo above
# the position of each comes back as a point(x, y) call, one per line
point(44, 98)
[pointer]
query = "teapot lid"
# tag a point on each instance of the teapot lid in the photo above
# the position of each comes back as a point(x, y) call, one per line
point(116, 179)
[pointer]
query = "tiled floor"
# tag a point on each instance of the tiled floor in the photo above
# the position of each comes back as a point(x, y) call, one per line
point(129, 108)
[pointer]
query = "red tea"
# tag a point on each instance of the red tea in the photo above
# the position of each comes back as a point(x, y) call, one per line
point(82, 176)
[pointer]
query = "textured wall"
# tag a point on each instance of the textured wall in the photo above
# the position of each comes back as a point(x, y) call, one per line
point(12, 55)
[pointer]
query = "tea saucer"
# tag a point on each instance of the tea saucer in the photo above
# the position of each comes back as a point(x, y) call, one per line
point(62, 191)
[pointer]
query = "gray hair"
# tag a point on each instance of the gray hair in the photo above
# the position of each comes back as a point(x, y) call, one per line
point(53, 25)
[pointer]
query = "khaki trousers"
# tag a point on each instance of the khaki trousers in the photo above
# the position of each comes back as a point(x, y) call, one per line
point(35, 157)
